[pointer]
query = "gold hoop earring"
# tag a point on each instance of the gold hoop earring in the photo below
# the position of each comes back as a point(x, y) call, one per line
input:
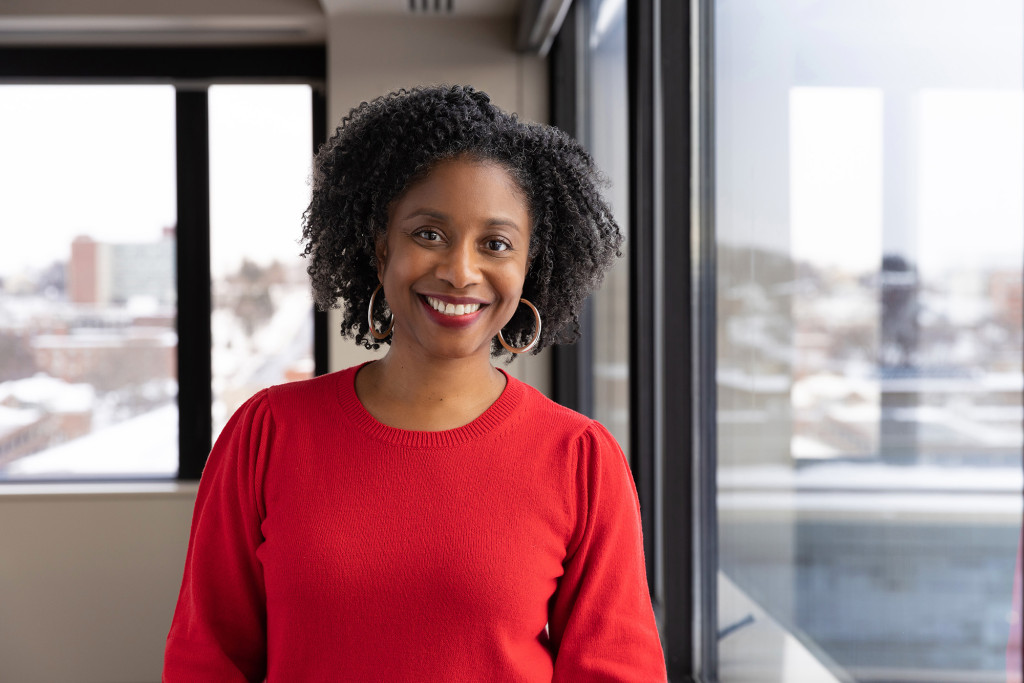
point(369, 318)
point(536, 336)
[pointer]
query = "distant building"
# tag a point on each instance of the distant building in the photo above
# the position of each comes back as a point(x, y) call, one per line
point(108, 358)
point(1006, 291)
point(84, 285)
point(106, 273)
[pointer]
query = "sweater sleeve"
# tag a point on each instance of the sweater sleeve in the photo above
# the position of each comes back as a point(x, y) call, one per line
point(218, 632)
point(601, 621)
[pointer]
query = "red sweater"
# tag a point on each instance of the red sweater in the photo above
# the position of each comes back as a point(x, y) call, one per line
point(327, 546)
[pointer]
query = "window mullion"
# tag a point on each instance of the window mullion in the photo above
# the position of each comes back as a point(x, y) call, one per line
point(682, 536)
point(321, 347)
point(643, 420)
point(195, 375)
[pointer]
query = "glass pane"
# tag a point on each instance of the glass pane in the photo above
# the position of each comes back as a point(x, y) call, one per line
point(88, 381)
point(87, 298)
point(260, 164)
point(607, 127)
point(870, 244)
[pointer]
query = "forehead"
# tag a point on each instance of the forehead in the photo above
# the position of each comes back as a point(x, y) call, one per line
point(468, 185)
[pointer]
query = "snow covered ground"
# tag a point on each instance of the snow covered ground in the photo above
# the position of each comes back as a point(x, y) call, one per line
point(143, 446)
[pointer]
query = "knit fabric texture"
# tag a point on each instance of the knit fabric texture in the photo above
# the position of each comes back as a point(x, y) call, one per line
point(326, 546)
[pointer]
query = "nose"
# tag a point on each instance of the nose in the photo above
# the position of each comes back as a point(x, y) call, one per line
point(459, 266)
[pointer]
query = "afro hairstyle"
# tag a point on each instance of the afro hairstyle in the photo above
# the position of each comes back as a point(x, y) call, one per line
point(384, 146)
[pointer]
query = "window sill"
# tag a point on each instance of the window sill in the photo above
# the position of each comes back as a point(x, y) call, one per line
point(35, 491)
point(762, 651)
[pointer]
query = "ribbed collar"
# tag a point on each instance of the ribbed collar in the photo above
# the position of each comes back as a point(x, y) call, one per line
point(486, 423)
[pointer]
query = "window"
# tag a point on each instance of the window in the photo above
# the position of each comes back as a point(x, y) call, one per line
point(162, 219)
point(87, 302)
point(868, 248)
point(826, 224)
point(260, 165)
point(606, 129)
point(610, 374)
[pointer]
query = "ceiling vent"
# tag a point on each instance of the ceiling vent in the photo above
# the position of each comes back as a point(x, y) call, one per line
point(431, 6)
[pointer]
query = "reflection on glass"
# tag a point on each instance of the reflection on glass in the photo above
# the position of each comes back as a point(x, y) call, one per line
point(260, 163)
point(87, 299)
point(606, 139)
point(870, 249)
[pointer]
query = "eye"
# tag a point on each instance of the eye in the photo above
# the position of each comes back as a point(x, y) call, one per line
point(498, 245)
point(428, 235)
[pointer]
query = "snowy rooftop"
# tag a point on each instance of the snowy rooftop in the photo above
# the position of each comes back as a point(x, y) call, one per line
point(146, 445)
point(91, 339)
point(15, 418)
point(53, 394)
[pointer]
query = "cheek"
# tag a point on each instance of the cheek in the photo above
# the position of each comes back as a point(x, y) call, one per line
point(398, 267)
point(513, 286)
point(396, 285)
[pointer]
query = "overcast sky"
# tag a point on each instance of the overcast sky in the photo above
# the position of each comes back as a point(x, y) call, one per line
point(836, 121)
point(99, 161)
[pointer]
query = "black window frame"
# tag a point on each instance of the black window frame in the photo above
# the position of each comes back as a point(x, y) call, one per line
point(191, 70)
point(665, 273)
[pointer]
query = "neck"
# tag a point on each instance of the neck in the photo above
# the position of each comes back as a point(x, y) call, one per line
point(417, 382)
point(428, 395)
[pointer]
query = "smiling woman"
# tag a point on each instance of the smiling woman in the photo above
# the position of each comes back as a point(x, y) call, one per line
point(452, 264)
point(406, 519)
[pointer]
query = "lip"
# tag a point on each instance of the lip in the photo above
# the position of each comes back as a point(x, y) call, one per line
point(457, 321)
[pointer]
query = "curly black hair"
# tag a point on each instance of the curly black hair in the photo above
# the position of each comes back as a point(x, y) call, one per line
point(384, 146)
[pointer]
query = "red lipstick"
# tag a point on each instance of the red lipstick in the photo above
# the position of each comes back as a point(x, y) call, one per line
point(457, 321)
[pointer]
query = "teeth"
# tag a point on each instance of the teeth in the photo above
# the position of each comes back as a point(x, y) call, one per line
point(452, 309)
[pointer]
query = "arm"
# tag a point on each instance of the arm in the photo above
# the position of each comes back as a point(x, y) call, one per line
point(601, 621)
point(219, 628)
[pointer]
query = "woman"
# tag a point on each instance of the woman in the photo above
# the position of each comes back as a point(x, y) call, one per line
point(427, 517)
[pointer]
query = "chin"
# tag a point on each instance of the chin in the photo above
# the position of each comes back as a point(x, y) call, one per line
point(453, 354)
point(458, 352)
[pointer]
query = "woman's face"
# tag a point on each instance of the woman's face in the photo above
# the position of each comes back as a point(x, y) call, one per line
point(454, 259)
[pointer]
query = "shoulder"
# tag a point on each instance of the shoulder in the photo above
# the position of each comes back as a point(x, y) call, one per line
point(540, 410)
point(303, 395)
point(587, 438)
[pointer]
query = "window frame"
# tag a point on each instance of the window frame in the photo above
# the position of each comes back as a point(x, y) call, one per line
point(191, 70)
point(669, 273)
point(701, 77)
point(572, 365)
point(686, 449)
point(663, 275)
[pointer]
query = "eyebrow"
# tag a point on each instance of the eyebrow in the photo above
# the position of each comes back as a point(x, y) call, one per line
point(438, 215)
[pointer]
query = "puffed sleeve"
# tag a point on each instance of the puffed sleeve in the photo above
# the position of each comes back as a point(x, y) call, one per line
point(601, 621)
point(219, 628)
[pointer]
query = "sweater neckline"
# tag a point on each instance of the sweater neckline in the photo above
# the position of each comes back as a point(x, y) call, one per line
point(485, 423)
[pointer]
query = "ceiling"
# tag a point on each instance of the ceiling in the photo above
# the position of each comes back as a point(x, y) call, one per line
point(159, 22)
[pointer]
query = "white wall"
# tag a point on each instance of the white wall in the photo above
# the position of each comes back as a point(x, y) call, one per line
point(88, 577)
point(88, 581)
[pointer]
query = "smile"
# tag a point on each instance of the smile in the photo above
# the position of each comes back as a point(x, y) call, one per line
point(451, 309)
